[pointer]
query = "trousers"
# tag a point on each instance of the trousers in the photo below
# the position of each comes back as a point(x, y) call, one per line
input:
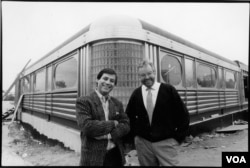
point(113, 158)
point(162, 153)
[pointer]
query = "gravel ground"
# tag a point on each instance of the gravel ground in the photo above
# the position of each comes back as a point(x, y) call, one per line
point(19, 148)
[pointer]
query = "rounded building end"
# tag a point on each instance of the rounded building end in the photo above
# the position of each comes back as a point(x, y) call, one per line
point(113, 21)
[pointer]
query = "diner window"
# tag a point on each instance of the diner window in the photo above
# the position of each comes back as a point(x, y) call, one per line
point(230, 79)
point(171, 70)
point(189, 72)
point(39, 81)
point(220, 78)
point(66, 74)
point(26, 84)
point(49, 77)
point(206, 76)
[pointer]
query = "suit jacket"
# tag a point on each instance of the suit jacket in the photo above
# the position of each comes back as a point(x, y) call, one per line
point(91, 121)
point(170, 116)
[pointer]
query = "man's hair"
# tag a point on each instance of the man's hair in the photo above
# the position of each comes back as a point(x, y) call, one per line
point(146, 62)
point(107, 71)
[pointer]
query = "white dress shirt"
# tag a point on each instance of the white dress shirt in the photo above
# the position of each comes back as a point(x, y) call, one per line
point(154, 91)
point(105, 105)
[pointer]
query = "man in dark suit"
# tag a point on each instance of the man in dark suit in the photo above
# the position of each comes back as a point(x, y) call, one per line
point(102, 121)
point(158, 119)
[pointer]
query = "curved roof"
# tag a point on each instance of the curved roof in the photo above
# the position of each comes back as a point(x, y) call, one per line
point(126, 22)
point(166, 34)
point(115, 21)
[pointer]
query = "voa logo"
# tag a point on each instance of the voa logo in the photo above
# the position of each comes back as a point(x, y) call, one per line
point(236, 159)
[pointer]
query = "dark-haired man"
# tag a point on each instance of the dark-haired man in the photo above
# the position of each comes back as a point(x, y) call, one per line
point(102, 122)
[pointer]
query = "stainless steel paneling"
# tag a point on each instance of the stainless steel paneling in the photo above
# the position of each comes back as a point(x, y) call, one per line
point(204, 101)
point(57, 104)
point(63, 104)
point(38, 103)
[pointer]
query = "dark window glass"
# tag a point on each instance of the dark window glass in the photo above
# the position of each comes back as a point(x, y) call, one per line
point(189, 72)
point(39, 81)
point(206, 76)
point(66, 74)
point(171, 70)
point(26, 84)
point(230, 80)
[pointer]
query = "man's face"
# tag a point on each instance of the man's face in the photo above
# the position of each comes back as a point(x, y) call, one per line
point(147, 75)
point(106, 84)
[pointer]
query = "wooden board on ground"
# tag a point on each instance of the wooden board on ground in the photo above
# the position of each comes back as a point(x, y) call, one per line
point(232, 128)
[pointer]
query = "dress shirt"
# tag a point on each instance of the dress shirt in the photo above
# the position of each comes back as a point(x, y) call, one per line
point(154, 91)
point(105, 105)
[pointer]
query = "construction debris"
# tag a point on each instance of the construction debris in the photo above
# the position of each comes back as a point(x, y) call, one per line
point(233, 128)
point(240, 122)
point(209, 147)
point(131, 158)
point(186, 144)
point(197, 139)
point(6, 114)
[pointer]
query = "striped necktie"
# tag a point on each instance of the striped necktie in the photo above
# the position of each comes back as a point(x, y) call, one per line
point(150, 106)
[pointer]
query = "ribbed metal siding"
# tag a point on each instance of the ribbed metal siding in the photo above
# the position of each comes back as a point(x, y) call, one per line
point(26, 103)
point(56, 104)
point(207, 100)
point(203, 101)
point(63, 105)
point(232, 98)
point(38, 103)
point(48, 105)
point(191, 101)
point(182, 95)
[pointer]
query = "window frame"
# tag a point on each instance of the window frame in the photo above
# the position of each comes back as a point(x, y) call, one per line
point(72, 55)
point(34, 75)
point(235, 79)
point(30, 89)
point(221, 77)
point(196, 75)
point(179, 58)
point(194, 86)
point(47, 75)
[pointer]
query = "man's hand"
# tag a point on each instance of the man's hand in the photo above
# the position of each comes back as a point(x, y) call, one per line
point(107, 136)
point(116, 122)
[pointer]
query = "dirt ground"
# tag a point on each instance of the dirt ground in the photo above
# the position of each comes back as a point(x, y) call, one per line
point(19, 143)
point(206, 149)
point(20, 148)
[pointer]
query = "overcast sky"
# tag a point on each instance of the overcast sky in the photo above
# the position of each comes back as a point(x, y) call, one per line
point(32, 29)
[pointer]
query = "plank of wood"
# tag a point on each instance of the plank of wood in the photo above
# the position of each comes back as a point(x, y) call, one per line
point(16, 108)
point(11, 86)
point(232, 128)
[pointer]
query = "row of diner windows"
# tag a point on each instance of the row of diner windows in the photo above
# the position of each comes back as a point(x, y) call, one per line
point(63, 75)
point(207, 76)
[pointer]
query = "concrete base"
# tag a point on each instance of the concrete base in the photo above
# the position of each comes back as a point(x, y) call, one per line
point(69, 137)
point(217, 122)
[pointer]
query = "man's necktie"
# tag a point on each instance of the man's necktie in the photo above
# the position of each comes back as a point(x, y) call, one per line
point(150, 106)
